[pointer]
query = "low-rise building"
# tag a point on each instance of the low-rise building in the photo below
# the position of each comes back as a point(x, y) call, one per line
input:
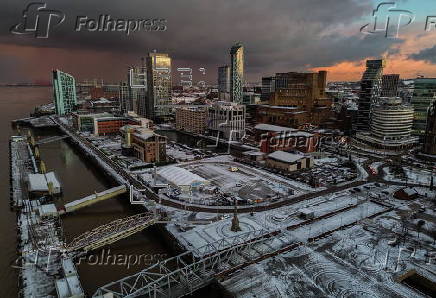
point(288, 162)
point(149, 146)
point(181, 178)
point(106, 124)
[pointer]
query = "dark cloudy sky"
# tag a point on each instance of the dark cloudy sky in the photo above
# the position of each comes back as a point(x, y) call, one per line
point(278, 35)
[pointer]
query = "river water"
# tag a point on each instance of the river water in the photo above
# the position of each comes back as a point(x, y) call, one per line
point(78, 178)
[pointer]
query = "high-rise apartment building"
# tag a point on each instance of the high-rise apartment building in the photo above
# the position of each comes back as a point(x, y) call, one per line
point(430, 133)
point(237, 73)
point(424, 95)
point(64, 92)
point(227, 119)
point(159, 86)
point(370, 91)
point(224, 83)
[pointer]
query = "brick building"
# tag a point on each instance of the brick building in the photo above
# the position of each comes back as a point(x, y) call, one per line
point(149, 146)
point(191, 120)
point(297, 99)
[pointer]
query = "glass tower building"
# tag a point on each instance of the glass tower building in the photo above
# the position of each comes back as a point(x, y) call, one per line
point(237, 73)
point(159, 85)
point(64, 92)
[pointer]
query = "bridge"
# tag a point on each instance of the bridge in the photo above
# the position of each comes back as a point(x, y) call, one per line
point(94, 198)
point(111, 232)
point(51, 139)
point(181, 275)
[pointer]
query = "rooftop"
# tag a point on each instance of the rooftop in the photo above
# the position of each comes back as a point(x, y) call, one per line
point(179, 176)
point(285, 156)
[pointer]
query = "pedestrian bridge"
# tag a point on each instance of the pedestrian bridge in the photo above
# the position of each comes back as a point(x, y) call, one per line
point(111, 232)
point(94, 198)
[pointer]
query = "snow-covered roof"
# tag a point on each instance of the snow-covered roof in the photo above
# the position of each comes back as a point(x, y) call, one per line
point(47, 210)
point(269, 127)
point(253, 153)
point(144, 135)
point(179, 176)
point(39, 182)
point(285, 156)
point(410, 191)
point(306, 211)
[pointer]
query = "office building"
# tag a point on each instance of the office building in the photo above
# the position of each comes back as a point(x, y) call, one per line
point(430, 133)
point(297, 100)
point(227, 120)
point(268, 88)
point(159, 86)
point(224, 83)
point(424, 95)
point(390, 84)
point(370, 91)
point(138, 89)
point(192, 119)
point(391, 125)
point(64, 92)
point(237, 73)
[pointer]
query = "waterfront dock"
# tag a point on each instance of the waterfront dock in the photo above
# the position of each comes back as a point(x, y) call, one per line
point(44, 271)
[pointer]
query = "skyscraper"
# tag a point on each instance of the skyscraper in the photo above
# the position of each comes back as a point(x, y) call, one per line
point(237, 73)
point(424, 95)
point(159, 85)
point(224, 83)
point(133, 92)
point(370, 91)
point(125, 104)
point(64, 92)
point(430, 133)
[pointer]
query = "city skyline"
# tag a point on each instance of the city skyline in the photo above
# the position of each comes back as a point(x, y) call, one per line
point(309, 38)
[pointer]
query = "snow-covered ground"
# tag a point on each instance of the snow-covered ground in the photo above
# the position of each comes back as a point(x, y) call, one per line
point(414, 176)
